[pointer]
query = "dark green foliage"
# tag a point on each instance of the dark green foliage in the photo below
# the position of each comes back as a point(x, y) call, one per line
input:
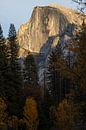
point(30, 71)
point(53, 76)
point(12, 32)
point(14, 81)
point(14, 59)
point(58, 85)
point(3, 61)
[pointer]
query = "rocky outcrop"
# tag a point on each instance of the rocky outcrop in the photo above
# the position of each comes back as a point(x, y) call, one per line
point(45, 22)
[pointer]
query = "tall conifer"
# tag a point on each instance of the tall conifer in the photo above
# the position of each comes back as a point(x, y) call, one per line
point(15, 80)
point(3, 61)
point(30, 76)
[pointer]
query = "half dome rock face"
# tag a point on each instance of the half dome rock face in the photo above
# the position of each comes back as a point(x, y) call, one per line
point(45, 22)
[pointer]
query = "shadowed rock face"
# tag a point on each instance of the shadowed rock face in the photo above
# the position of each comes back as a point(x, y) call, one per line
point(45, 22)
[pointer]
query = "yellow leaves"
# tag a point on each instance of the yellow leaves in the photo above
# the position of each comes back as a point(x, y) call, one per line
point(31, 113)
point(67, 115)
point(30, 108)
point(62, 115)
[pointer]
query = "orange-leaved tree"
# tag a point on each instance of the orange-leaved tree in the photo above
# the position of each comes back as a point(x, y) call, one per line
point(31, 114)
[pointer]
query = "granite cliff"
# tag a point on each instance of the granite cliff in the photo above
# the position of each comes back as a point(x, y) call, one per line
point(45, 22)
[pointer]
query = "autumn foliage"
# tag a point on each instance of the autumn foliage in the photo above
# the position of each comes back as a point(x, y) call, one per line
point(31, 114)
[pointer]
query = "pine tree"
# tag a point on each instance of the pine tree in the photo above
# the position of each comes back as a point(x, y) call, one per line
point(54, 77)
point(3, 61)
point(14, 59)
point(59, 85)
point(30, 76)
point(15, 79)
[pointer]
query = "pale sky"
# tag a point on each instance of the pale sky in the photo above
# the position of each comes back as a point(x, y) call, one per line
point(19, 11)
